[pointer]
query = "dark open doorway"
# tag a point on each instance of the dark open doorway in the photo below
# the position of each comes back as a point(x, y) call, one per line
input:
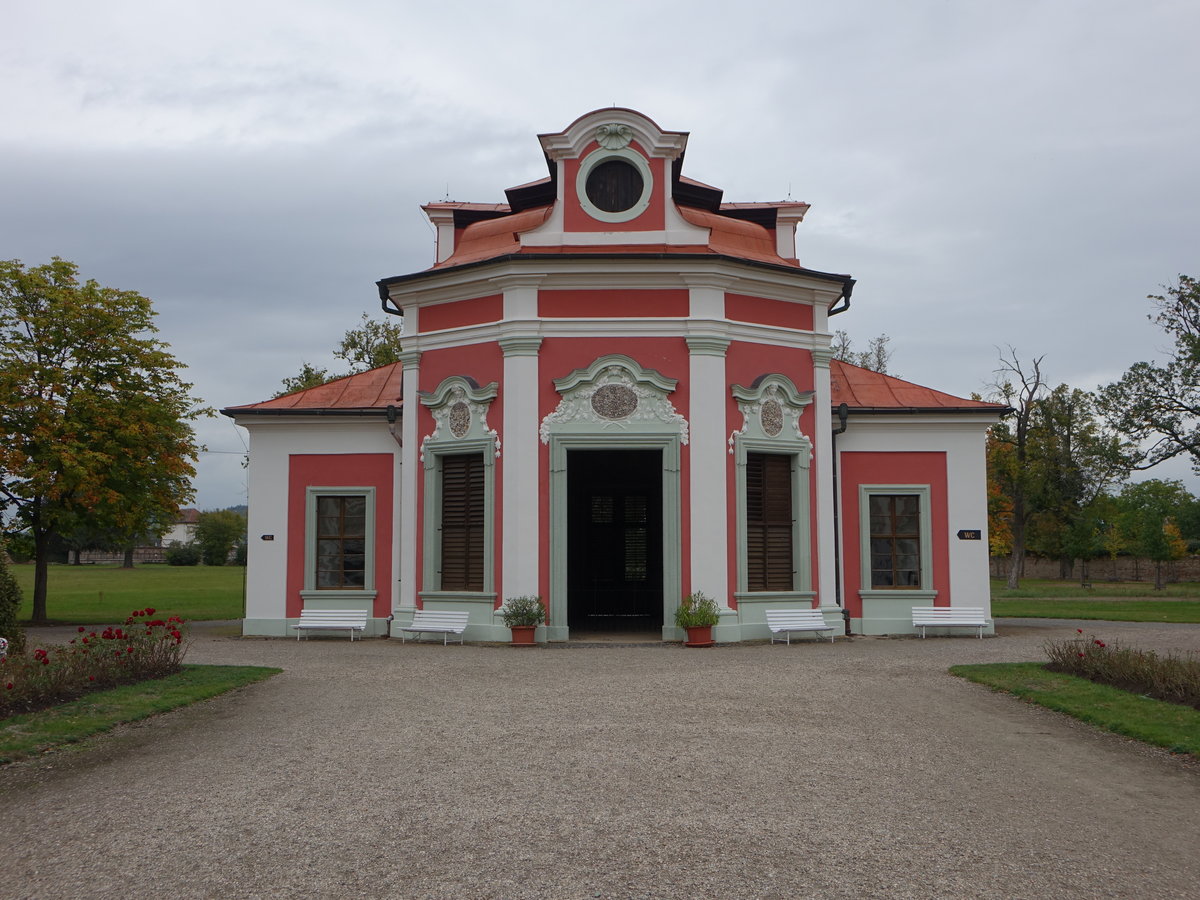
point(614, 540)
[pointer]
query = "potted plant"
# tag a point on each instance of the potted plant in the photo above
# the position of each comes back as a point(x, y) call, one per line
point(697, 614)
point(523, 615)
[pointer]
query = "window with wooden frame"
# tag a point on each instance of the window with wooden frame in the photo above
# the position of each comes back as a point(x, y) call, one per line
point(341, 537)
point(895, 541)
point(770, 523)
point(895, 525)
point(339, 544)
point(463, 522)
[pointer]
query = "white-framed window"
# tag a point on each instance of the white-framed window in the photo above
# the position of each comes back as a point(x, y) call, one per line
point(614, 185)
point(339, 544)
point(460, 489)
point(771, 459)
point(895, 540)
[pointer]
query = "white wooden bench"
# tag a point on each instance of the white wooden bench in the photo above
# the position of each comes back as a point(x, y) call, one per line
point(437, 621)
point(332, 619)
point(949, 617)
point(786, 621)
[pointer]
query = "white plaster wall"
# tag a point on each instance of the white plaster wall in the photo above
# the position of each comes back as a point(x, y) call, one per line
point(966, 489)
point(272, 441)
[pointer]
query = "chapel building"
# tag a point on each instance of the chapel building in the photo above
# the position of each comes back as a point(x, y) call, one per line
point(616, 389)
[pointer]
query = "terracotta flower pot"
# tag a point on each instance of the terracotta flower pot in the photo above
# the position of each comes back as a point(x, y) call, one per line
point(523, 634)
point(699, 636)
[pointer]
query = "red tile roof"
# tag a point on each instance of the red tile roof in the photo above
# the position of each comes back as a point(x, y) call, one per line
point(863, 389)
point(860, 389)
point(375, 389)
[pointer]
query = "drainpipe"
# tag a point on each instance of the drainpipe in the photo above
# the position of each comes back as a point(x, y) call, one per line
point(847, 290)
point(843, 413)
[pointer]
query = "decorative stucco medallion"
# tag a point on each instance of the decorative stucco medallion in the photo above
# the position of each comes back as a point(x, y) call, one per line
point(771, 417)
point(614, 401)
point(614, 136)
point(460, 419)
point(771, 410)
point(459, 407)
point(614, 393)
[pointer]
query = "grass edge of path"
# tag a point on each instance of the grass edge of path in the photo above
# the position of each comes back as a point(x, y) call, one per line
point(1168, 725)
point(27, 734)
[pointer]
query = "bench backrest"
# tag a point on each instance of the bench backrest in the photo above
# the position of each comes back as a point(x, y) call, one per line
point(784, 617)
point(334, 615)
point(932, 615)
point(445, 617)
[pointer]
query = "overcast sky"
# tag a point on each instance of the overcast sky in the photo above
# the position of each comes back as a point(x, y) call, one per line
point(994, 174)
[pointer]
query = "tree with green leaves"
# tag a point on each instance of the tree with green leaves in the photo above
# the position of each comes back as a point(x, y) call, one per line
point(218, 533)
point(94, 419)
point(1075, 459)
point(1157, 405)
point(371, 345)
point(1148, 509)
point(1051, 460)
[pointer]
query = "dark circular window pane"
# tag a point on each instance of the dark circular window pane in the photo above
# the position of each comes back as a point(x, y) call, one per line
point(614, 186)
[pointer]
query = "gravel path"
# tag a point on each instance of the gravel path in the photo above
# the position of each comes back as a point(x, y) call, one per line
point(385, 770)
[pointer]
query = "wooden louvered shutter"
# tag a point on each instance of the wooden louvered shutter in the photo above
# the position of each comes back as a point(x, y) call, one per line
point(769, 551)
point(462, 522)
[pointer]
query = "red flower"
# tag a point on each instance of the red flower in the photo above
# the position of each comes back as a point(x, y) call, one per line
point(149, 610)
point(1081, 655)
point(80, 629)
point(128, 649)
point(1079, 631)
point(1100, 643)
point(9, 686)
point(91, 678)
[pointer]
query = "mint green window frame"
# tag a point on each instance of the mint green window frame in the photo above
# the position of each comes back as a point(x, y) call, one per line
point(928, 590)
point(347, 598)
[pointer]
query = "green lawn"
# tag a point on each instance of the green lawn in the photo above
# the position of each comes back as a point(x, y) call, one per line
point(1156, 722)
point(1130, 601)
point(89, 595)
point(101, 711)
point(1032, 588)
point(1112, 610)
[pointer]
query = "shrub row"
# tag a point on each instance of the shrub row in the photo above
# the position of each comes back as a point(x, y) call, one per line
point(1169, 677)
point(144, 648)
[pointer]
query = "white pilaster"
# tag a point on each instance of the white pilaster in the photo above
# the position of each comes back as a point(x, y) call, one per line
point(520, 548)
point(824, 462)
point(709, 463)
point(410, 472)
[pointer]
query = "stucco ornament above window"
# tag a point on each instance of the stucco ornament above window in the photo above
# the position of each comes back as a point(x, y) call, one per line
point(614, 394)
point(614, 136)
point(771, 409)
point(460, 407)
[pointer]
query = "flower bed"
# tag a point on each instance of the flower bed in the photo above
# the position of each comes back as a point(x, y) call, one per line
point(145, 647)
point(1170, 677)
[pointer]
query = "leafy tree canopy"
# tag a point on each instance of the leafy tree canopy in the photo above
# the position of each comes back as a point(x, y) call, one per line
point(371, 345)
point(218, 532)
point(94, 419)
point(1158, 405)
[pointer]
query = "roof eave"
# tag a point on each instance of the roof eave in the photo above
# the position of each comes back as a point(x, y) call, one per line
point(365, 412)
point(384, 283)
